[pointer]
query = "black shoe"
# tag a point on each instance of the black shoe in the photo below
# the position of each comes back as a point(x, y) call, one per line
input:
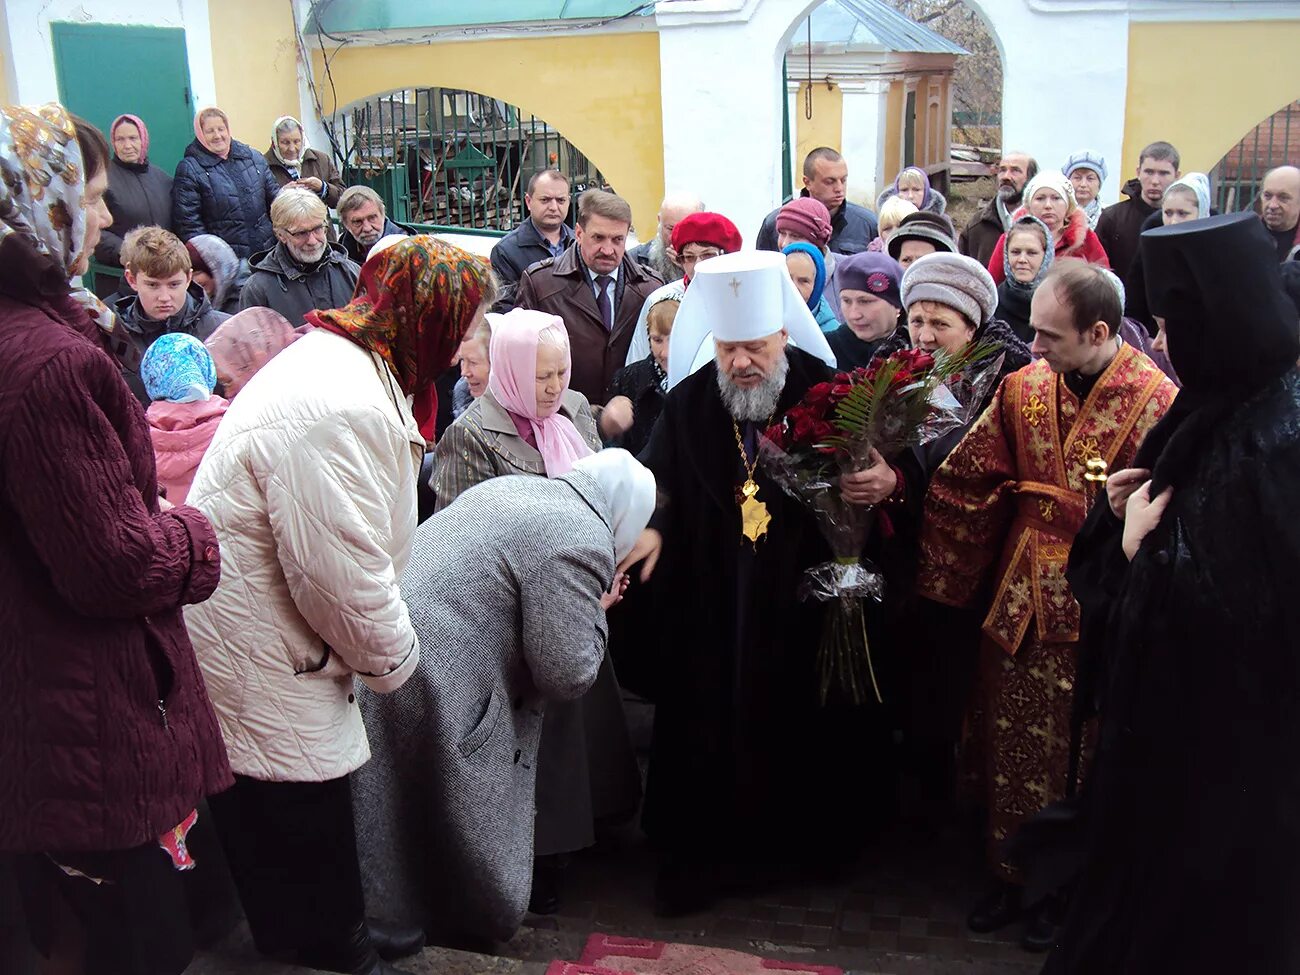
point(354, 954)
point(1043, 925)
point(682, 888)
point(998, 909)
point(545, 896)
point(394, 941)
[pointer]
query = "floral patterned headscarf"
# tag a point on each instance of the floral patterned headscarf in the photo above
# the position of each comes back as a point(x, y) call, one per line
point(413, 305)
point(43, 193)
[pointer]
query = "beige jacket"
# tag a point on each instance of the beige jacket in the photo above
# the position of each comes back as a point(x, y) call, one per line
point(310, 485)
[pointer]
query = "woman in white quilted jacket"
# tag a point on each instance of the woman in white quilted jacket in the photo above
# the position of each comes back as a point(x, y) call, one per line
point(310, 483)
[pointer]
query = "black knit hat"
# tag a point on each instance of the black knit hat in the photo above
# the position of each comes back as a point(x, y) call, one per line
point(933, 228)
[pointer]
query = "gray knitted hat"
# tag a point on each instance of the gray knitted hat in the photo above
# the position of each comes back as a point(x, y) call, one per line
point(954, 280)
point(1086, 159)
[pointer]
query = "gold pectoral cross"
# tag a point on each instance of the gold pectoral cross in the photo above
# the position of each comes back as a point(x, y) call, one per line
point(754, 518)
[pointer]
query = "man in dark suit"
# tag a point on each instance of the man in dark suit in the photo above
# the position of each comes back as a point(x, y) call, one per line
point(596, 288)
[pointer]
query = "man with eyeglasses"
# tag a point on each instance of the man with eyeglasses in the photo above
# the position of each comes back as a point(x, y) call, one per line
point(543, 234)
point(303, 272)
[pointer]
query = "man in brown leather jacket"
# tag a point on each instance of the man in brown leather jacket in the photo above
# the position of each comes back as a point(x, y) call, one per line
point(596, 288)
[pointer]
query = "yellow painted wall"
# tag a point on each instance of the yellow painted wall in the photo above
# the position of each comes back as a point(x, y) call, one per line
point(825, 128)
point(255, 59)
point(1202, 86)
point(601, 92)
point(894, 129)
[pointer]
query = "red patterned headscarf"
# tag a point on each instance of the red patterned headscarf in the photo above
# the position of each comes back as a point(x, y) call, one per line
point(413, 305)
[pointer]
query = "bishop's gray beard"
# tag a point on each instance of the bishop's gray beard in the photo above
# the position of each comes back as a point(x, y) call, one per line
point(759, 402)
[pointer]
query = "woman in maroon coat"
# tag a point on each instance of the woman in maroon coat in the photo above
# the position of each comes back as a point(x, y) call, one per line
point(107, 739)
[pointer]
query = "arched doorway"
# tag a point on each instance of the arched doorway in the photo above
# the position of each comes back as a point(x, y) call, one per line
point(457, 158)
point(1236, 178)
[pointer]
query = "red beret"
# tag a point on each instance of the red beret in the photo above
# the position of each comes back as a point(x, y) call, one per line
point(706, 228)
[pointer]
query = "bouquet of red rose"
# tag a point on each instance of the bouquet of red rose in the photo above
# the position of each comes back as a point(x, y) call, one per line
point(898, 402)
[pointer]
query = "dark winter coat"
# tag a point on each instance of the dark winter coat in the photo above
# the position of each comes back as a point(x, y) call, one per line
point(562, 286)
point(639, 382)
point(740, 742)
point(107, 737)
point(197, 318)
point(229, 197)
point(138, 196)
point(516, 252)
point(982, 233)
point(281, 283)
point(314, 163)
point(853, 353)
point(358, 254)
point(853, 228)
point(1121, 225)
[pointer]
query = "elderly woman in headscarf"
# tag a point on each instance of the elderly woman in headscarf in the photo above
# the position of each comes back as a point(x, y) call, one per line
point(913, 185)
point(807, 268)
point(530, 422)
point(247, 341)
point(292, 160)
point(311, 485)
point(223, 187)
point(1026, 258)
point(1049, 196)
point(110, 741)
point(139, 193)
point(1185, 574)
point(179, 377)
point(508, 588)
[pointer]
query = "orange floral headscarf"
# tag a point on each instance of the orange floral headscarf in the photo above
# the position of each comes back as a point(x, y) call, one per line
point(413, 305)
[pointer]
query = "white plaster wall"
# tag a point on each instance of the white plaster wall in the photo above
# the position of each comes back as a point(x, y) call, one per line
point(862, 142)
point(30, 53)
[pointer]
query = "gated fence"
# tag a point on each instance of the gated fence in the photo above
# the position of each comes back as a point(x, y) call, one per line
point(455, 158)
point(1274, 142)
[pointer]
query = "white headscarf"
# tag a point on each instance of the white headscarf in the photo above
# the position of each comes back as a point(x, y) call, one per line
point(629, 487)
point(275, 141)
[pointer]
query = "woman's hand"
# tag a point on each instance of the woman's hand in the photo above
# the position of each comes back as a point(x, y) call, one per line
point(310, 183)
point(1121, 485)
point(1141, 515)
point(872, 485)
point(616, 418)
point(615, 594)
point(646, 549)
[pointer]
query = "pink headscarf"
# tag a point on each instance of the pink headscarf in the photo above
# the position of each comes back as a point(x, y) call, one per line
point(198, 129)
point(138, 122)
point(512, 383)
point(246, 341)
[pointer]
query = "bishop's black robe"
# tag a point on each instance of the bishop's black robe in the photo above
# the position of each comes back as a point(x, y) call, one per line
point(743, 756)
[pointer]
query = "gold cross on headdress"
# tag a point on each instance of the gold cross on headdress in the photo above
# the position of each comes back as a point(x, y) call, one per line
point(734, 284)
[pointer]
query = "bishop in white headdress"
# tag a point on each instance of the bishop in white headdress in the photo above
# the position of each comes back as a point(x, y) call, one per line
point(746, 765)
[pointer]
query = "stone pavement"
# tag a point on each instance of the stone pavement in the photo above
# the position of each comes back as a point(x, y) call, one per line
point(900, 913)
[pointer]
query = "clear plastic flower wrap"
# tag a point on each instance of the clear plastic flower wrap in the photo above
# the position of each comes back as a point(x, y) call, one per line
point(903, 401)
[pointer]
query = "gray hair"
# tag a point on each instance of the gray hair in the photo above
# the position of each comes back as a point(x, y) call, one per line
point(286, 125)
point(294, 203)
point(355, 197)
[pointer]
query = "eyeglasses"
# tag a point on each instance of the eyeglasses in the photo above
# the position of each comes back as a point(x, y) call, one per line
point(301, 235)
point(701, 256)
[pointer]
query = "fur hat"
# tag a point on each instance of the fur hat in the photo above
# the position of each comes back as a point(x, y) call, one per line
point(874, 273)
point(924, 225)
point(806, 217)
point(954, 280)
point(1086, 159)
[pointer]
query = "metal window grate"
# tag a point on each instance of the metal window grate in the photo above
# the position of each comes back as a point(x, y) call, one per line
point(1274, 142)
point(456, 158)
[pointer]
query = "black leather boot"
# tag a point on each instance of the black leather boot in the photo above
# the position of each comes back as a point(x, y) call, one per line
point(353, 955)
point(545, 897)
point(999, 908)
point(394, 941)
point(1043, 925)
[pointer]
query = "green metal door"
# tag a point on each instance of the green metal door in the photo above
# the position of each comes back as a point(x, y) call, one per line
point(90, 61)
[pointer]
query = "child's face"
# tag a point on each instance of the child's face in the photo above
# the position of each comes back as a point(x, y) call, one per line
point(161, 298)
point(659, 348)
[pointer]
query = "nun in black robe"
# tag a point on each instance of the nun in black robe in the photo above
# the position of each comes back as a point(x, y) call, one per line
point(1191, 651)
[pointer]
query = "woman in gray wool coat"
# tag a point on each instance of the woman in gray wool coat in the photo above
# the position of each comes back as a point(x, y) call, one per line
point(507, 589)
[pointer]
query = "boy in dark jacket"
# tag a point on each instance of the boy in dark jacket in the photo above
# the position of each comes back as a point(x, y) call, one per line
point(645, 382)
point(158, 267)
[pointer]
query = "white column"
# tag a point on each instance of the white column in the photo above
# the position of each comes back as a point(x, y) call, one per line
point(862, 142)
point(720, 69)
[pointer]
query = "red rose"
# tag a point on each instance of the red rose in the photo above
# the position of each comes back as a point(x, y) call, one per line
point(840, 390)
point(817, 394)
point(804, 425)
point(822, 430)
